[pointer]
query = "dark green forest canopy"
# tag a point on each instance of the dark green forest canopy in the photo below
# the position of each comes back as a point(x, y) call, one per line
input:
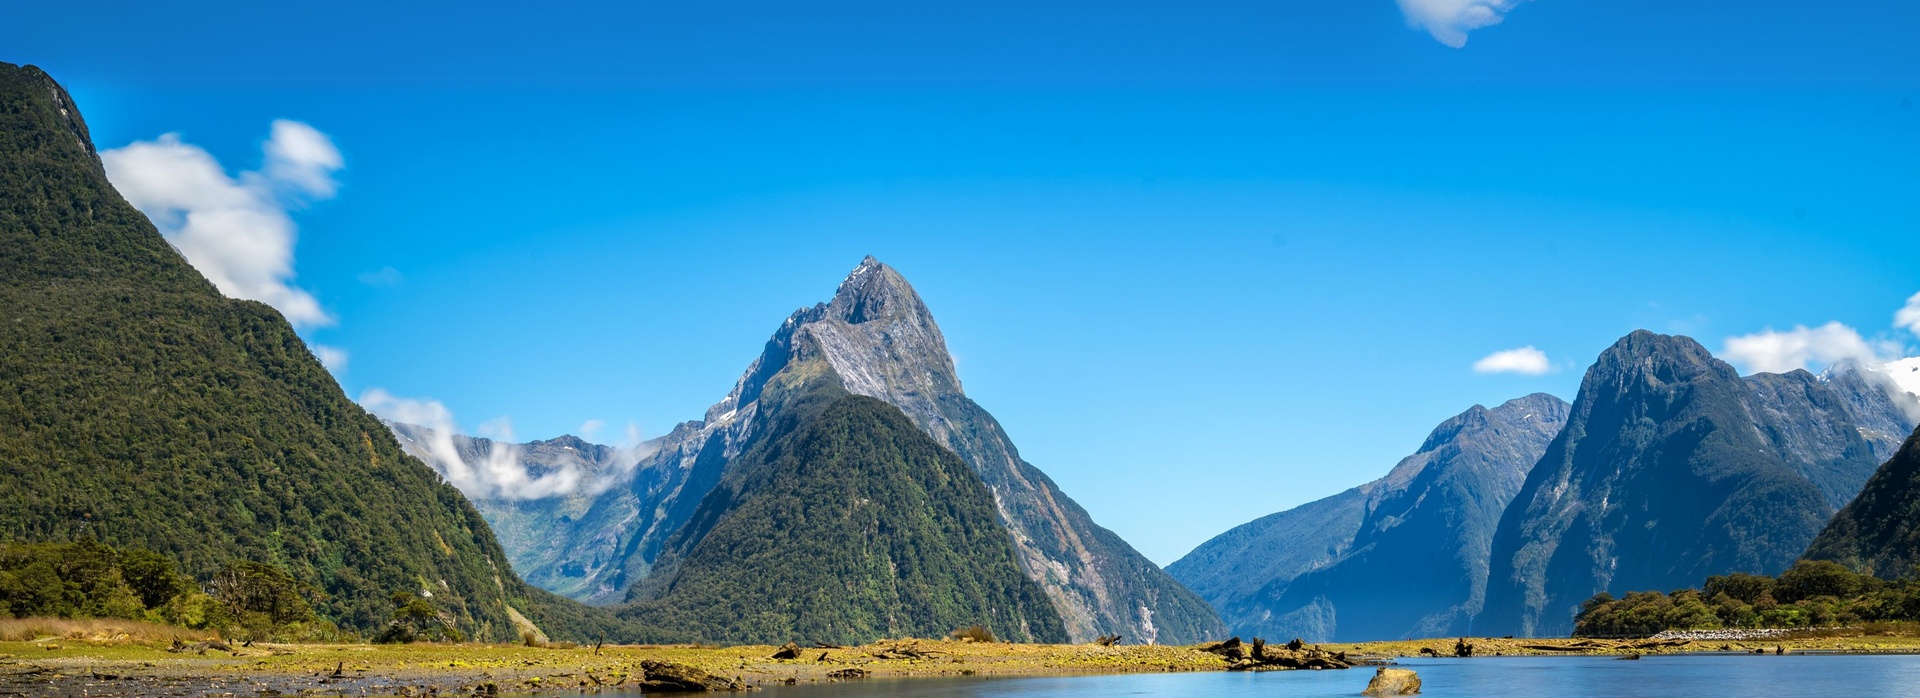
point(845, 524)
point(141, 407)
point(1811, 594)
point(1880, 529)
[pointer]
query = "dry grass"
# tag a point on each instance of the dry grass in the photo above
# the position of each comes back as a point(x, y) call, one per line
point(1872, 629)
point(96, 630)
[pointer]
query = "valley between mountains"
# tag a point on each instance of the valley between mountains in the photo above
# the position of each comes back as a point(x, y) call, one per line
point(177, 458)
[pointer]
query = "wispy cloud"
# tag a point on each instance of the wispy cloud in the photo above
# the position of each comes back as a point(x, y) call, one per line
point(1908, 317)
point(1524, 360)
point(1774, 351)
point(1450, 20)
point(1884, 357)
point(235, 230)
point(501, 472)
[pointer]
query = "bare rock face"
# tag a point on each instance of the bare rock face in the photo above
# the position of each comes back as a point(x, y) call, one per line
point(1388, 681)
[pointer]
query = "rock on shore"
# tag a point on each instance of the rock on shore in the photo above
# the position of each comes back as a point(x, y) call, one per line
point(1393, 682)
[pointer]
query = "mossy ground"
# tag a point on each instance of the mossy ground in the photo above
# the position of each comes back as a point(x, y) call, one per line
point(142, 668)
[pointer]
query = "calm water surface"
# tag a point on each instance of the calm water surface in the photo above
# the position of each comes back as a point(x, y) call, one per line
point(1719, 676)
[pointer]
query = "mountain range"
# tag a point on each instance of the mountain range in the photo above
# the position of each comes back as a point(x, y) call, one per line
point(1668, 467)
point(147, 410)
point(1402, 556)
point(1672, 467)
point(874, 338)
point(847, 489)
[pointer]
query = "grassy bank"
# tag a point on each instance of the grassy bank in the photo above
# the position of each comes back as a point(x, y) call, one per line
point(73, 666)
point(84, 658)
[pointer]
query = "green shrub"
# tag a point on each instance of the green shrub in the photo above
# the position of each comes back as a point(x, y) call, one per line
point(1811, 594)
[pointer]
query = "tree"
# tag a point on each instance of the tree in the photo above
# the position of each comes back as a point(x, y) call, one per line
point(152, 576)
point(416, 618)
point(1742, 587)
point(1812, 578)
point(246, 587)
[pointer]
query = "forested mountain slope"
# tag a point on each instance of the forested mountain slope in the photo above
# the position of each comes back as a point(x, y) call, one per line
point(141, 407)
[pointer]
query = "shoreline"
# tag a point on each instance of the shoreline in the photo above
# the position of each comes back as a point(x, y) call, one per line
point(108, 667)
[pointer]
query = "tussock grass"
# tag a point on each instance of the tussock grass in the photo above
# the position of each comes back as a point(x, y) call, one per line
point(96, 630)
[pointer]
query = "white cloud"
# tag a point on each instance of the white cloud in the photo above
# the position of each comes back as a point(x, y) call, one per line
point(1771, 351)
point(500, 473)
point(1908, 317)
point(1524, 360)
point(334, 358)
point(235, 230)
point(1884, 360)
point(591, 427)
point(1450, 20)
point(302, 158)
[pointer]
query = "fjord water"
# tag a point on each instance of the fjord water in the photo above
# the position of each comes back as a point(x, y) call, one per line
point(1809, 676)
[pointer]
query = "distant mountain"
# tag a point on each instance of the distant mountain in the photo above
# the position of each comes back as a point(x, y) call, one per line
point(879, 341)
point(1880, 406)
point(143, 408)
point(1405, 555)
point(527, 527)
point(1231, 569)
point(844, 523)
point(1879, 531)
point(1671, 468)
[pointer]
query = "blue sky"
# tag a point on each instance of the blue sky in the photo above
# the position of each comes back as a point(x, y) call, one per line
point(1206, 261)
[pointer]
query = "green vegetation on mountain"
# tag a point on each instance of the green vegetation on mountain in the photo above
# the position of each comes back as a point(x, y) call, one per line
point(1811, 594)
point(845, 523)
point(143, 409)
point(1879, 530)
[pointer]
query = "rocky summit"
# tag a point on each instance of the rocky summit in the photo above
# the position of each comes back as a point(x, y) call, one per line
point(876, 338)
point(1405, 555)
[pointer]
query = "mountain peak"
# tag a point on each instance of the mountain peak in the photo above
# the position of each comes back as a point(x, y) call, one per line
point(876, 334)
point(1656, 359)
point(38, 80)
point(874, 291)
